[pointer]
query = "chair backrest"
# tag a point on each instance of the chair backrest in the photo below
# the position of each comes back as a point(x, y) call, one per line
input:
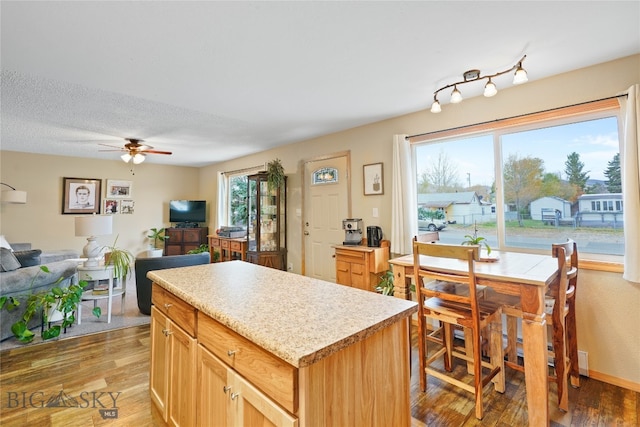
point(431, 236)
point(567, 255)
point(470, 254)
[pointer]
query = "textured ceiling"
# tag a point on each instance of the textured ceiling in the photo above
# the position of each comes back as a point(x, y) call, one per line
point(212, 81)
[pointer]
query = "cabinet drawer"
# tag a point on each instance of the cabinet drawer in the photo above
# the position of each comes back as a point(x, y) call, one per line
point(236, 246)
point(224, 244)
point(181, 312)
point(214, 241)
point(350, 256)
point(272, 375)
point(191, 236)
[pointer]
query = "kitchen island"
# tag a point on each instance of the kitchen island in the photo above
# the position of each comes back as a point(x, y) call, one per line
point(240, 344)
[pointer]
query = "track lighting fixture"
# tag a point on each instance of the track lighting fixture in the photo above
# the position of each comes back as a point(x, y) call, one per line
point(490, 89)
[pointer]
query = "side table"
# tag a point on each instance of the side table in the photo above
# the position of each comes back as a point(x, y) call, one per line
point(101, 272)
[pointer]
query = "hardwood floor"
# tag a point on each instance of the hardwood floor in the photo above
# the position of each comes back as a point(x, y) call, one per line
point(108, 375)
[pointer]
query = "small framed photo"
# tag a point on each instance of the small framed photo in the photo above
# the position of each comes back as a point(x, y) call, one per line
point(373, 179)
point(119, 189)
point(126, 206)
point(111, 206)
point(81, 195)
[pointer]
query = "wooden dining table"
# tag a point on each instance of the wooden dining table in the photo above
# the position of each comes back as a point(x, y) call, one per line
point(513, 273)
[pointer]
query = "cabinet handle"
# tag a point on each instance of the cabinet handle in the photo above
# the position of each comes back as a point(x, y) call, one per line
point(226, 389)
point(168, 306)
point(231, 353)
point(234, 395)
point(166, 332)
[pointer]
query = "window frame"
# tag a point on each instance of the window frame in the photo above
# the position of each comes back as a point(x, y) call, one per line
point(555, 117)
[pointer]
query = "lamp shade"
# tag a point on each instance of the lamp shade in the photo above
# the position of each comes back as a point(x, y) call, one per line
point(14, 196)
point(93, 225)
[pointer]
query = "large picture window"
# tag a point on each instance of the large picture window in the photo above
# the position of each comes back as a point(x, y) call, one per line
point(526, 186)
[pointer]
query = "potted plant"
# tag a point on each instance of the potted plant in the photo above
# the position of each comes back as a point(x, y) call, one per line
point(55, 304)
point(157, 235)
point(121, 260)
point(385, 286)
point(476, 240)
point(275, 174)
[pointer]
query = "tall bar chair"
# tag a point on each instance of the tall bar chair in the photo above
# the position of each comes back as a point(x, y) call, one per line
point(560, 307)
point(439, 298)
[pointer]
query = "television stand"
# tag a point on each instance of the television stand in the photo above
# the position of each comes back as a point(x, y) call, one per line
point(182, 239)
point(187, 225)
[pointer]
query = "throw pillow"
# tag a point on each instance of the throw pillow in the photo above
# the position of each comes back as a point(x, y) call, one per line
point(28, 258)
point(4, 243)
point(8, 261)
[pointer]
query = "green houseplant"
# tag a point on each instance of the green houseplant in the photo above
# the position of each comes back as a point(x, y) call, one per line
point(275, 174)
point(65, 300)
point(385, 286)
point(121, 260)
point(476, 240)
point(157, 235)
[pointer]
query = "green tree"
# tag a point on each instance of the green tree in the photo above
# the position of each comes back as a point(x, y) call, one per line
point(574, 170)
point(522, 182)
point(238, 200)
point(614, 179)
point(552, 185)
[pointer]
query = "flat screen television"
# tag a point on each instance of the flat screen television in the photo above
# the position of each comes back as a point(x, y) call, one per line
point(187, 211)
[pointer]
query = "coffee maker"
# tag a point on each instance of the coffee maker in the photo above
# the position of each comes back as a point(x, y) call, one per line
point(352, 231)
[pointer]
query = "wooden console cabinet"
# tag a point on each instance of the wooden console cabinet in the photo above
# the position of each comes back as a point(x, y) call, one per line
point(359, 266)
point(228, 248)
point(182, 240)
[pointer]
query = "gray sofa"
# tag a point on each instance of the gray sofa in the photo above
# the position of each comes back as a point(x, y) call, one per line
point(144, 265)
point(19, 283)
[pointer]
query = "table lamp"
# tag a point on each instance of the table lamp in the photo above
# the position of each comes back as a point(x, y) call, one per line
point(92, 226)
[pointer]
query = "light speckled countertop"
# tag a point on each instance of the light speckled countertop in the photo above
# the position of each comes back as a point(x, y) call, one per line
point(297, 318)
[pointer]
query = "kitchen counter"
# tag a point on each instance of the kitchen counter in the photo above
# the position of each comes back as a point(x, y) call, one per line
point(297, 318)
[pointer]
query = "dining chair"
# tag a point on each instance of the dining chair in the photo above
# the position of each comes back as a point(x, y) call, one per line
point(560, 308)
point(439, 298)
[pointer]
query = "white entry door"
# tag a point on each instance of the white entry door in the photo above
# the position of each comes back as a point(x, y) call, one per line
point(325, 206)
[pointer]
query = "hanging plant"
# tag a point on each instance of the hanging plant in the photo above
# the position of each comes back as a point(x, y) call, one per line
point(275, 174)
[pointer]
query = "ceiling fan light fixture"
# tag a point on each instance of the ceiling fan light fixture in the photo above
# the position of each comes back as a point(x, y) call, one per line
point(138, 158)
point(490, 89)
point(126, 157)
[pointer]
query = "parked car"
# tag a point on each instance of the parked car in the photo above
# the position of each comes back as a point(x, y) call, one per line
point(431, 225)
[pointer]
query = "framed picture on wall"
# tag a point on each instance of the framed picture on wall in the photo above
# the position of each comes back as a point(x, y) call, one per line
point(81, 195)
point(373, 179)
point(126, 206)
point(119, 189)
point(111, 206)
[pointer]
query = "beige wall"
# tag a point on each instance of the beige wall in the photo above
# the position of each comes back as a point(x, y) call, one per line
point(608, 311)
point(40, 221)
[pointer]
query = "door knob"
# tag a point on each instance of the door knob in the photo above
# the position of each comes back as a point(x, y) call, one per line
point(306, 233)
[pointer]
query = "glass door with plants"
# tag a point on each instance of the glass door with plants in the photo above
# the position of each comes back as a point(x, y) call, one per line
point(266, 210)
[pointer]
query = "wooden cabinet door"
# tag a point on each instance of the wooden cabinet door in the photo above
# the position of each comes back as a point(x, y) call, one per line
point(159, 373)
point(359, 276)
point(191, 235)
point(343, 273)
point(253, 408)
point(213, 390)
point(182, 380)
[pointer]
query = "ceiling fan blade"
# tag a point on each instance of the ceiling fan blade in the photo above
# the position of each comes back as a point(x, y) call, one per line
point(111, 146)
point(155, 152)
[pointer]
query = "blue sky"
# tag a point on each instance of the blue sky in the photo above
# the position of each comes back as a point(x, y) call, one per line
point(596, 141)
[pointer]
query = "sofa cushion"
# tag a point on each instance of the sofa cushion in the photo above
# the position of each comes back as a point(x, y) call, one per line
point(4, 243)
point(8, 261)
point(28, 258)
